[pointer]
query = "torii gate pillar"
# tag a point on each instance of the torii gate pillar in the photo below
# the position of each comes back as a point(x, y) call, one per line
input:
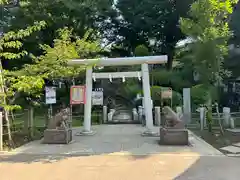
point(88, 104)
point(147, 99)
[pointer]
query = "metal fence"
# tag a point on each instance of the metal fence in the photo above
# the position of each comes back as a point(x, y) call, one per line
point(236, 118)
point(195, 120)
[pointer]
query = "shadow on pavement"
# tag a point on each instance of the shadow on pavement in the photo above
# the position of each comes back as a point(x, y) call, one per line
point(33, 158)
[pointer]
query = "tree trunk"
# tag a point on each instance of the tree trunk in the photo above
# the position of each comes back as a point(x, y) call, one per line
point(11, 144)
point(170, 58)
point(5, 111)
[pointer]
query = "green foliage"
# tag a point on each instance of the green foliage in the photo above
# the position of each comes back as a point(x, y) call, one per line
point(141, 50)
point(143, 21)
point(208, 29)
point(201, 94)
point(174, 79)
point(156, 93)
point(177, 99)
point(9, 84)
point(52, 64)
point(79, 15)
point(12, 40)
point(4, 2)
point(234, 24)
point(131, 90)
point(209, 119)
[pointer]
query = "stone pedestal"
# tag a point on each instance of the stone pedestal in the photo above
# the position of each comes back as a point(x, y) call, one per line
point(171, 136)
point(57, 136)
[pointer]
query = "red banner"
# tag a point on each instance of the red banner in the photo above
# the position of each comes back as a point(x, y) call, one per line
point(77, 95)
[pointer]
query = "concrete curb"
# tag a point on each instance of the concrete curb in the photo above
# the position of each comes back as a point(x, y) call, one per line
point(207, 144)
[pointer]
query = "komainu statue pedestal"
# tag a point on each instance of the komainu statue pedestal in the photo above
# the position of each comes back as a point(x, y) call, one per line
point(170, 136)
point(59, 130)
point(57, 136)
point(174, 131)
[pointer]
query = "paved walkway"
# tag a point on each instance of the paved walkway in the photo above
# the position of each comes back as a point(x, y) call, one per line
point(117, 139)
point(117, 152)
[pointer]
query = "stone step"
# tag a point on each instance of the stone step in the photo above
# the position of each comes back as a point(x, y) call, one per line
point(235, 131)
point(231, 149)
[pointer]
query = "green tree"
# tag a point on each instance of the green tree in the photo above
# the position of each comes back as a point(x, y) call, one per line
point(8, 42)
point(29, 80)
point(77, 15)
point(234, 24)
point(233, 60)
point(52, 65)
point(152, 23)
point(209, 32)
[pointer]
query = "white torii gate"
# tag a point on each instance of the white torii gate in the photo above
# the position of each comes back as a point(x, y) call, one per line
point(125, 61)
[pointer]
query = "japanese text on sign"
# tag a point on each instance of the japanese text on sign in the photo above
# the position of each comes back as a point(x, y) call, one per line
point(50, 95)
point(77, 95)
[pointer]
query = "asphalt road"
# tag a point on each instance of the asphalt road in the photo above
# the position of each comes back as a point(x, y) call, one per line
point(119, 167)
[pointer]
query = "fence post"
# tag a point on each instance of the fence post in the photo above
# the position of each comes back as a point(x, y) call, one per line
point(226, 116)
point(140, 113)
point(232, 123)
point(105, 114)
point(202, 117)
point(110, 115)
point(70, 118)
point(157, 116)
point(26, 122)
point(187, 105)
point(30, 122)
point(1, 132)
point(134, 114)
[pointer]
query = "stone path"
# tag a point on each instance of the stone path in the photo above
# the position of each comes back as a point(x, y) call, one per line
point(117, 139)
point(233, 149)
point(118, 152)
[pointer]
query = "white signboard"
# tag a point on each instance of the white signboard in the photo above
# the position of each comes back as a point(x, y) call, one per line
point(50, 95)
point(97, 98)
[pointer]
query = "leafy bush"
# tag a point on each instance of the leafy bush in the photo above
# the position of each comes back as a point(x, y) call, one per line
point(201, 93)
point(141, 50)
point(174, 79)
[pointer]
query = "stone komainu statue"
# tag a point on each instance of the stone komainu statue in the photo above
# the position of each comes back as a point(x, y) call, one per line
point(174, 131)
point(60, 120)
point(171, 119)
